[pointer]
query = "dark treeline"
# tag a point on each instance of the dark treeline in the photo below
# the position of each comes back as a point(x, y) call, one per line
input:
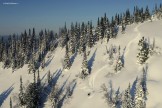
point(29, 48)
point(26, 49)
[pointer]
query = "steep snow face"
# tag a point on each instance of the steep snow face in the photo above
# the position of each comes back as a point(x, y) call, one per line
point(153, 30)
point(88, 92)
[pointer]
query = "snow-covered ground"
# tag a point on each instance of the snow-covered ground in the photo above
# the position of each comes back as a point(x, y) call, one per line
point(101, 70)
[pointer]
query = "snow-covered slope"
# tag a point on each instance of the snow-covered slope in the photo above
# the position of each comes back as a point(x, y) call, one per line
point(101, 70)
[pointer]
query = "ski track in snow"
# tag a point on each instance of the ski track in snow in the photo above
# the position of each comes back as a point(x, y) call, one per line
point(91, 85)
point(136, 38)
point(93, 77)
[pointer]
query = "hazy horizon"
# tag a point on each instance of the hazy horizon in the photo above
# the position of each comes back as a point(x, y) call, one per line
point(18, 15)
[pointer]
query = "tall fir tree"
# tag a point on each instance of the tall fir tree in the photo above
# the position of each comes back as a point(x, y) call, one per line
point(84, 68)
point(82, 38)
point(72, 40)
point(38, 79)
point(144, 83)
point(139, 101)
point(10, 102)
point(127, 101)
point(21, 93)
point(143, 54)
point(49, 78)
point(67, 62)
point(32, 94)
point(119, 63)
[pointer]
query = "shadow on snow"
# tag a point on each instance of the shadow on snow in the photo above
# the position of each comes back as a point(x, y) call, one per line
point(73, 58)
point(91, 60)
point(48, 62)
point(5, 94)
point(133, 89)
point(122, 57)
point(47, 88)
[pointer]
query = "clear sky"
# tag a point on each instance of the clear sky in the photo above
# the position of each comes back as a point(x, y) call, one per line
point(18, 15)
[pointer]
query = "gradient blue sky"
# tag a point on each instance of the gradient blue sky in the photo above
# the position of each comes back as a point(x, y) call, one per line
point(52, 14)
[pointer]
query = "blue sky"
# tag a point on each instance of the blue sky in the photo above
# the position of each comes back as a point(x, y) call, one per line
point(52, 14)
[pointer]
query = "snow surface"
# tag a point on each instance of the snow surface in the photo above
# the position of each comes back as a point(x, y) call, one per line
point(101, 71)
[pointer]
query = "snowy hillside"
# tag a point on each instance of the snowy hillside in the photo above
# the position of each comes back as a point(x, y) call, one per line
point(88, 93)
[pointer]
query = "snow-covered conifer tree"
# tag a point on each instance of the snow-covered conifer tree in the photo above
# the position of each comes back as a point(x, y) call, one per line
point(38, 79)
point(127, 101)
point(43, 64)
point(98, 30)
point(90, 35)
point(144, 83)
point(82, 39)
point(72, 40)
point(139, 101)
point(84, 68)
point(10, 102)
point(49, 77)
point(119, 63)
point(21, 93)
point(143, 51)
point(67, 62)
point(54, 97)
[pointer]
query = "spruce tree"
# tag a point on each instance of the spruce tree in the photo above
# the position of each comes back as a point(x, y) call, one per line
point(144, 83)
point(34, 77)
point(127, 101)
point(10, 102)
point(90, 35)
point(64, 36)
point(49, 77)
point(21, 93)
point(139, 97)
point(43, 63)
point(123, 28)
point(67, 62)
point(117, 98)
point(143, 54)
point(147, 14)
point(77, 37)
point(84, 68)
point(54, 97)
point(82, 39)
point(32, 94)
point(127, 17)
point(38, 79)
point(33, 40)
point(98, 30)
point(72, 40)
point(119, 64)
point(107, 34)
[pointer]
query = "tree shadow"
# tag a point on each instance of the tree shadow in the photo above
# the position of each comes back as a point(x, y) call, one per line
point(146, 69)
point(47, 89)
point(73, 58)
point(133, 89)
point(122, 57)
point(55, 77)
point(60, 92)
point(62, 88)
point(144, 81)
point(43, 76)
point(70, 89)
point(118, 102)
point(73, 87)
point(48, 62)
point(91, 60)
point(5, 94)
point(61, 101)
